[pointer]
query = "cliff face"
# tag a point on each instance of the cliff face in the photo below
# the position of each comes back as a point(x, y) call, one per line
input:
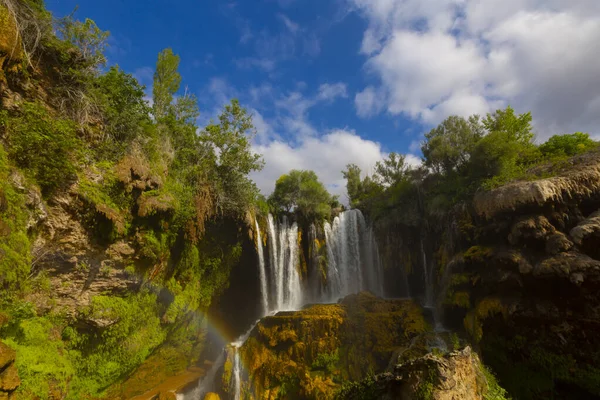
point(456, 375)
point(309, 353)
point(518, 270)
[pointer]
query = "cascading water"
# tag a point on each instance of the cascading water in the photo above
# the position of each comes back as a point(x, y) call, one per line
point(262, 271)
point(429, 296)
point(353, 256)
point(286, 288)
point(205, 384)
point(353, 265)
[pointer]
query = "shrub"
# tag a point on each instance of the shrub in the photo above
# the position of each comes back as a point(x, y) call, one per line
point(42, 144)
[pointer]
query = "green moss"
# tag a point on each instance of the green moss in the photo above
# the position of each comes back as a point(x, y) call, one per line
point(15, 258)
point(493, 391)
point(476, 254)
point(426, 386)
point(458, 299)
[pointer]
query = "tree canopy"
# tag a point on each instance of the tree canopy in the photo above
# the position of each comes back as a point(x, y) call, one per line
point(303, 193)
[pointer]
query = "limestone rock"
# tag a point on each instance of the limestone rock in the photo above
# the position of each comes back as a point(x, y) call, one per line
point(457, 375)
point(7, 356)
point(9, 377)
point(558, 243)
point(313, 346)
point(586, 235)
point(581, 181)
point(531, 231)
point(573, 266)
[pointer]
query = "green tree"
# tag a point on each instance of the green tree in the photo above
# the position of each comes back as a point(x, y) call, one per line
point(353, 183)
point(166, 83)
point(302, 192)
point(506, 151)
point(392, 170)
point(567, 145)
point(123, 106)
point(231, 140)
point(359, 190)
point(448, 146)
point(87, 37)
point(514, 127)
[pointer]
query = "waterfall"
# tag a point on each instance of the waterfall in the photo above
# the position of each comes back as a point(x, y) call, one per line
point(261, 270)
point(353, 256)
point(205, 385)
point(429, 296)
point(286, 287)
point(236, 375)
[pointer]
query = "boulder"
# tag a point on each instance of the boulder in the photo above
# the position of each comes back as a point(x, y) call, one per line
point(456, 375)
point(586, 235)
point(9, 377)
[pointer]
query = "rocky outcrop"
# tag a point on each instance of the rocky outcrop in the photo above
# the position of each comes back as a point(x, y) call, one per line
point(306, 354)
point(453, 376)
point(579, 181)
point(9, 377)
point(525, 279)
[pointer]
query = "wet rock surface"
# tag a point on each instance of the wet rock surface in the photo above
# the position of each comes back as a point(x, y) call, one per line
point(9, 377)
point(309, 353)
point(453, 376)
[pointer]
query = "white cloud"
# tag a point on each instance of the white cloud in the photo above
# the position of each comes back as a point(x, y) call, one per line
point(331, 91)
point(289, 24)
point(327, 155)
point(434, 58)
point(368, 102)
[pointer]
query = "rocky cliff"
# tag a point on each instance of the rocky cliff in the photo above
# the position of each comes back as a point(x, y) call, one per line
point(309, 353)
point(517, 269)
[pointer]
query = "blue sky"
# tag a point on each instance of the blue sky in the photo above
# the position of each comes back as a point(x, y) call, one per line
point(338, 81)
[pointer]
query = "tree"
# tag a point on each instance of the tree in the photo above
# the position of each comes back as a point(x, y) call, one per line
point(123, 106)
point(506, 151)
point(360, 190)
point(392, 170)
point(448, 147)
point(567, 145)
point(87, 37)
point(514, 127)
point(231, 141)
point(302, 192)
point(232, 138)
point(166, 83)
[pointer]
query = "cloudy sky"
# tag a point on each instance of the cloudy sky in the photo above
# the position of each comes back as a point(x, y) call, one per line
point(337, 81)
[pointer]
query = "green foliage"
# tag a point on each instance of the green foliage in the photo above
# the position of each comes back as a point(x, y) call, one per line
point(15, 258)
point(567, 145)
point(87, 37)
point(124, 110)
point(166, 83)
point(493, 390)
point(43, 361)
point(447, 147)
point(365, 389)
point(391, 170)
point(301, 191)
point(326, 362)
point(231, 140)
point(133, 331)
point(42, 145)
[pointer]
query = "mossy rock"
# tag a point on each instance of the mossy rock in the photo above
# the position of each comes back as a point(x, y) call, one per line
point(308, 353)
